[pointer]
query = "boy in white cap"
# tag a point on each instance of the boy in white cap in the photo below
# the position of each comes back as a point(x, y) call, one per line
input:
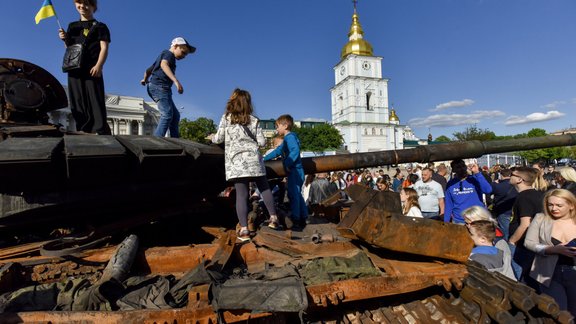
point(159, 77)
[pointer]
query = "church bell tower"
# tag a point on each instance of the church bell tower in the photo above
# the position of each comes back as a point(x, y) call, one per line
point(360, 97)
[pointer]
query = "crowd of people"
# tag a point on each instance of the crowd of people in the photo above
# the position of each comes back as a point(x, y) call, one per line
point(522, 219)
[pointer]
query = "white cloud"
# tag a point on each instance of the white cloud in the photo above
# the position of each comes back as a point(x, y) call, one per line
point(553, 105)
point(533, 118)
point(454, 104)
point(449, 120)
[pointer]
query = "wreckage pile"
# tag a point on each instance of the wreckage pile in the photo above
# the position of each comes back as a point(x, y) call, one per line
point(368, 268)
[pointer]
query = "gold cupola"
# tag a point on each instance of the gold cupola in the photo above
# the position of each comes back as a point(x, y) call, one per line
point(356, 43)
point(393, 117)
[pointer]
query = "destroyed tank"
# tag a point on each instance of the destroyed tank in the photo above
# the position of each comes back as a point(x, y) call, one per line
point(374, 265)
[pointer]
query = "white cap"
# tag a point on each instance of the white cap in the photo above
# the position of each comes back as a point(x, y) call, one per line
point(182, 41)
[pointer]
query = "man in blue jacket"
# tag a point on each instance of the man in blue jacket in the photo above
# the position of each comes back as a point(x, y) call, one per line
point(464, 191)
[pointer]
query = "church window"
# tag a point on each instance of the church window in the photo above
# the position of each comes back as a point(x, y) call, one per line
point(368, 94)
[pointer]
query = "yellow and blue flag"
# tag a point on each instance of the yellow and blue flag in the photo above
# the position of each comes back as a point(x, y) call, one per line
point(46, 11)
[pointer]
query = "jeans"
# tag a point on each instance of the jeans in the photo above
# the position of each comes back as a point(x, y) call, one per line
point(522, 260)
point(169, 114)
point(431, 215)
point(563, 287)
point(294, 188)
point(504, 223)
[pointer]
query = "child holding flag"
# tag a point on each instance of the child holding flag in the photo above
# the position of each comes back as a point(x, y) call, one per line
point(86, 85)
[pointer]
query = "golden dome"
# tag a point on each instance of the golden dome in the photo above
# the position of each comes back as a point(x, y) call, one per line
point(393, 116)
point(356, 43)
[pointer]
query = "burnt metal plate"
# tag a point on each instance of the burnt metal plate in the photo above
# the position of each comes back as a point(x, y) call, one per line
point(158, 158)
point(30, 162)
point(149, 147)
point(22, 150)
point(95, 157)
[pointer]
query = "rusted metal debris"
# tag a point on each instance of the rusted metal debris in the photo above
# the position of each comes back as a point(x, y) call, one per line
point(408, 288)
point(375, 218)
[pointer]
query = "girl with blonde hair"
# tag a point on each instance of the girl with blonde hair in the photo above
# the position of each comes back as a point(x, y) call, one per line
point(567, 179)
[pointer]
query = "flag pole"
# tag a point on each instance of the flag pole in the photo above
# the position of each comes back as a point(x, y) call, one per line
point(57, 19)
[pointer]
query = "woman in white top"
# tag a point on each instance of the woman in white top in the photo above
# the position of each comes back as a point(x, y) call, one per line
point(552, 237)
point(409, 199)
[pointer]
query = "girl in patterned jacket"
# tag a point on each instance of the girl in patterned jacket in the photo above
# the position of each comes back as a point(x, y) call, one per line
point(242, 137)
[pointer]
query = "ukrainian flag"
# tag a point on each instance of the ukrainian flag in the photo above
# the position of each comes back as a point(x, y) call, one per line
point(46, 11)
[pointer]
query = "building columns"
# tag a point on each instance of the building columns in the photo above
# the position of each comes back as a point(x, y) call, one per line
point(116, 126)
point(128, 126)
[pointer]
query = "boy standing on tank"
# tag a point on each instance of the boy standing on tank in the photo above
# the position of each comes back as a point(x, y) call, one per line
point(289, 150)
point(162, 75)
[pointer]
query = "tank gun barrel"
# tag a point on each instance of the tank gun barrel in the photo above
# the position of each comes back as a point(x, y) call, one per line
point(422, 154)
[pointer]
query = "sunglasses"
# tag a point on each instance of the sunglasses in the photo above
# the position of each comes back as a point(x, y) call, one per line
point(517, 176)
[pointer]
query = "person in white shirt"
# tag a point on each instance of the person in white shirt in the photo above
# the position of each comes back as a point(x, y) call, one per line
point(430, 195)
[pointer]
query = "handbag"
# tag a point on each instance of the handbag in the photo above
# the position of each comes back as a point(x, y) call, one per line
point(73, 55)
point(72, 58)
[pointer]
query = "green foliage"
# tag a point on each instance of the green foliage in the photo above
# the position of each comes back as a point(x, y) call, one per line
point(474, 133)
point(197, 130)
point(319, 138)
point(443, 138)
point(536, 132)
point(546, 154)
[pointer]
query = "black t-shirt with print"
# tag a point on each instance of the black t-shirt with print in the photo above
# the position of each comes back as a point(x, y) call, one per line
point(76, 34)
point(528, 203)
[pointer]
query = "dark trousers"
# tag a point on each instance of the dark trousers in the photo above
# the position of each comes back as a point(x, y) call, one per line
point(88, 104)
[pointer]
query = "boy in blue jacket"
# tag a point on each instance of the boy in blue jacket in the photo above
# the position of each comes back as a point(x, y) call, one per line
point(289, 150)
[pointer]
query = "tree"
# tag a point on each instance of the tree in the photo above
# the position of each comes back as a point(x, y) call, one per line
point(443, 138)
point(543, 154)
point(319, 138)
point(197, 130)
point(474, 133)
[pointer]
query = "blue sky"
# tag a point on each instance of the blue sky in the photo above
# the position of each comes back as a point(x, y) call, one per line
point(505, 65)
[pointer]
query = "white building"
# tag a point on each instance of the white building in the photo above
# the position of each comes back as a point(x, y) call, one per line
point(360, 108)
point(126, 116)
